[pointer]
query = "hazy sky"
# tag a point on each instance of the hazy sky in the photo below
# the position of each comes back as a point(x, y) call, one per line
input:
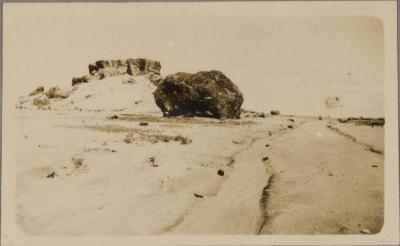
point(279, 62)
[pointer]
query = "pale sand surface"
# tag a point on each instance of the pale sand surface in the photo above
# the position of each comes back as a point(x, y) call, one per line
point(119, 190)
point(122, 192)
point(323, 183)
point(367, 135)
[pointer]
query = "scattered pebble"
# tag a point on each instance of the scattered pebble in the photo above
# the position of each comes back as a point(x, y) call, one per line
point(197, 195)
point(51, 175)
point(221, 172)
point(375, 166)
point(114, 117)
point(267, 145)
point(290, 126)
point(77, 162)
point(265, 158)
point(143, 123)
point(152, 160)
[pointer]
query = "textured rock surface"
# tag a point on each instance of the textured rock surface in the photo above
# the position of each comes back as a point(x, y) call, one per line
point(207, 94)
point(55, 92)
point(79, 80)
point(42, 102)
point(108, 68)
point(142, 66)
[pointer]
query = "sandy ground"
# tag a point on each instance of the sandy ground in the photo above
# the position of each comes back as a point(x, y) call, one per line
point(323, 183)
point(82, 173)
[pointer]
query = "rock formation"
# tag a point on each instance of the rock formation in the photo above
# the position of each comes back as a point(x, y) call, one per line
point(275, 112)
point(207, 94)
point(55, 92)
point(107, 68)
point(37, 91)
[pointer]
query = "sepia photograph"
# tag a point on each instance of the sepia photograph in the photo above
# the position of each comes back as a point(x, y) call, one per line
point(220, 120)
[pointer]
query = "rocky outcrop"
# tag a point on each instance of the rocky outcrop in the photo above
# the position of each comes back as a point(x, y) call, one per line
point(103, 69)
point(38, 90)
point(56, 92)
point(143, 66)
point(79, 80)
point(207, 94)
point(107, 68)
point(41, 102)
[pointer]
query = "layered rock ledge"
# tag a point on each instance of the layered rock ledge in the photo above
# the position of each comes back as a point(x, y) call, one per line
point(107, 68)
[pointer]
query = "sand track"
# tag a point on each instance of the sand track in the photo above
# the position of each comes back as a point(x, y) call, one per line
point(323, 183)
point(236, 209)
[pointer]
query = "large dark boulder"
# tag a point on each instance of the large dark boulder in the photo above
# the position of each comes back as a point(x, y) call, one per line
point(207, 94)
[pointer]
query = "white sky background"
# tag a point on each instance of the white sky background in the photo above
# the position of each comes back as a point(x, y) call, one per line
point(279, 62)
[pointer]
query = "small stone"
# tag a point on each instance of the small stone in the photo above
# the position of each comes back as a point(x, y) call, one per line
point(265, 158)
point(290, 126)
point(375, 166)
point(77, 162)
point(51, 175)
point(143, 123)
point(114, 117)
point(267, 145)
point(221, 172)
point(197, 195)
point(274, 112)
